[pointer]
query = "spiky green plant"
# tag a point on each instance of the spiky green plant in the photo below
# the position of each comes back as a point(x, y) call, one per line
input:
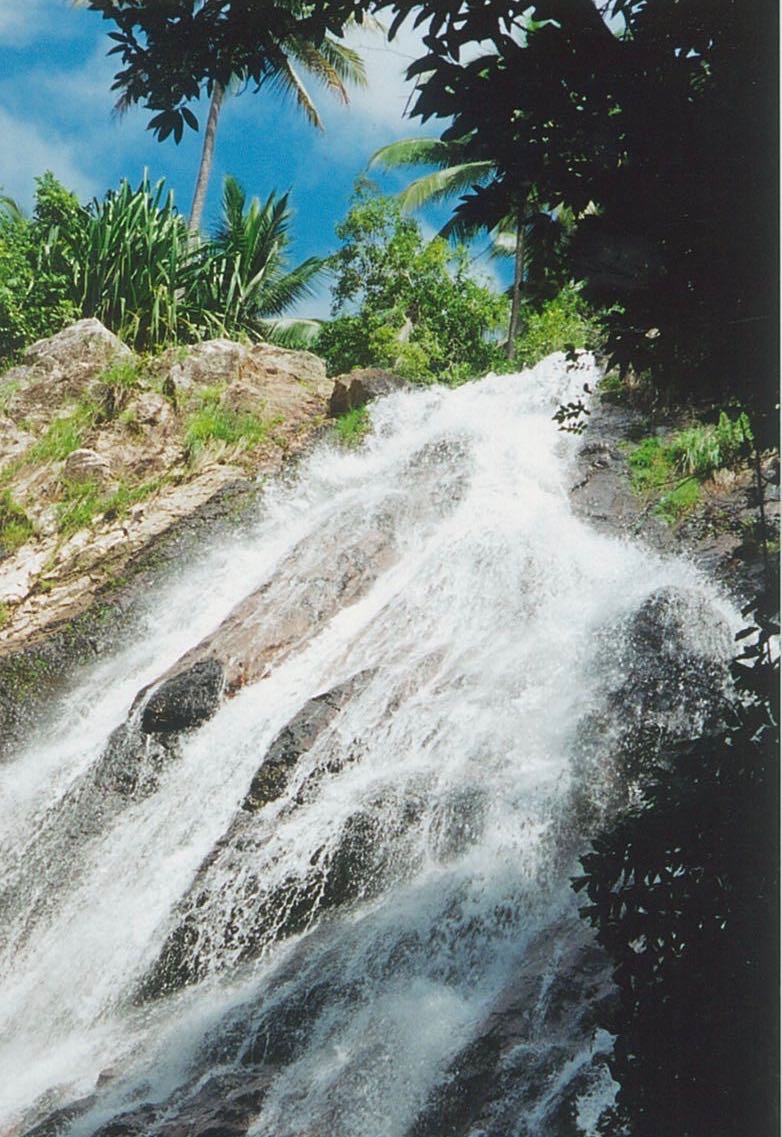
point(702, 449)
point(244, 285)
point(135, 265)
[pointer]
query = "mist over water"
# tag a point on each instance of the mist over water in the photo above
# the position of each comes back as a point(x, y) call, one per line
point(345, 942)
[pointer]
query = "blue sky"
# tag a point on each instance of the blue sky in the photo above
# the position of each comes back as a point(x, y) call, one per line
point(56, 113)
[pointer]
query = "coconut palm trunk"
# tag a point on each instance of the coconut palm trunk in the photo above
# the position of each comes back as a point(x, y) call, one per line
point(518, 284)
point(207, 157)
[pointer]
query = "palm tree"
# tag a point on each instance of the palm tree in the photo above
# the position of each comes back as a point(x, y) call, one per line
point(332, 63)
point(245, 285)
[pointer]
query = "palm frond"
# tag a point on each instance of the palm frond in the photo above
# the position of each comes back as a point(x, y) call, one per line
point(418, 152)
point(292, 332)
point(443, 183)
point(11, 208)
point(286, 290)
point(318, 66)
point(286, 80)
point(345, 61)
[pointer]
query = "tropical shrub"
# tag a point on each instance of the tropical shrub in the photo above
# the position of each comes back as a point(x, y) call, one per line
point(134, 267)
point(562, 323)
point(403, 303)
point(36, 262)
point(129, 260)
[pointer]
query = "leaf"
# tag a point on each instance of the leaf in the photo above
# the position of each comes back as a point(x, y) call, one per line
point(190, 118)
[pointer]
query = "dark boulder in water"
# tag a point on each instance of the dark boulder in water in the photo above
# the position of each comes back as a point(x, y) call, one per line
point(295, 739)
point(186, 700)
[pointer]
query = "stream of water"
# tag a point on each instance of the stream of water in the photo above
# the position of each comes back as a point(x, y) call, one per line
point(321, 964)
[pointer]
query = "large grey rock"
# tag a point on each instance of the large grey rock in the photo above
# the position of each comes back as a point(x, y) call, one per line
point(361, 386)
point(288, 610)
point(222, 885)
point(278, 376)
point(75, 355)
point(296, 739)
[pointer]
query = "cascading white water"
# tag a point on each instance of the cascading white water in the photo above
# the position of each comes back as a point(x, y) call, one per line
point(346, 942)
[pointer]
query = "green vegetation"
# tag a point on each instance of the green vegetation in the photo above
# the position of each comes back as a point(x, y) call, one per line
point(5, 613)
point(562, 323)
point(82, 502)
point(212, 422)
point(680, 500)
point(129, 260)
point(35, 296)
point(402, 303)
point(117, 383)
point(66, 433)
point(123, 373)
point(15, 525)
point(696, 452)
point(352, 426)
point(702, 449)
point(651, 467)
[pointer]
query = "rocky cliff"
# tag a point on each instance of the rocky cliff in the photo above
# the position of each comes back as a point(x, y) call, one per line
point(102, 451)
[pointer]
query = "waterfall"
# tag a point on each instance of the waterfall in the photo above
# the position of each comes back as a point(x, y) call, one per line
point(310, 913)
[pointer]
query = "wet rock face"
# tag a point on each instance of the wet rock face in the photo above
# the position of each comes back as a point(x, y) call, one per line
point(130, 766)
point(296, 739)
point(225, 1105)
point(665, 671)
point(538, 1052)
point(536, 1056)
point(186, 700)
point(674, 655)
point(260, 912)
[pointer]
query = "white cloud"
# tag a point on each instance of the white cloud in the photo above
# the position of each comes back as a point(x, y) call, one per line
point(22, 21)
point(380, 112)
point(33, 151)
point(61, 119)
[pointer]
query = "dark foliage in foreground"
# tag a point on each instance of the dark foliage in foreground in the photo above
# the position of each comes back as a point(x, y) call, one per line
point(683, 893)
